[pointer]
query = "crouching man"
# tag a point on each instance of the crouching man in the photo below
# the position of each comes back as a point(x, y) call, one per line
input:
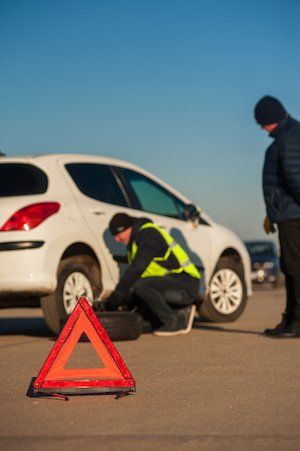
point(160, 274)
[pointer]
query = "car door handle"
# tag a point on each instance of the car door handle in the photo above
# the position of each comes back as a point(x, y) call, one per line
point(97, 212)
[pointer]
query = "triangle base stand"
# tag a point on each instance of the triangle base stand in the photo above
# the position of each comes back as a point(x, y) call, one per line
point(119, 395)
point(86, 391)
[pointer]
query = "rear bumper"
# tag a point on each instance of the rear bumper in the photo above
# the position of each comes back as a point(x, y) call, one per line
point(27, 271)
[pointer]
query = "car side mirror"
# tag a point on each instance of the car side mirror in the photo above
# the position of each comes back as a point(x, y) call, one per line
point(192, 213)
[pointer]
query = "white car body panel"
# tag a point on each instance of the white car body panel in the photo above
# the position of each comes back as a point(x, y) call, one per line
point(85, 220)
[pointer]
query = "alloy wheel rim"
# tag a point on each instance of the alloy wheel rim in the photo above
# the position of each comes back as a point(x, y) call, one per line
point(226, 291)
point(76, 285)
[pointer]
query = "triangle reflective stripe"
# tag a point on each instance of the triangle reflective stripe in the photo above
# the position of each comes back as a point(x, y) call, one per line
point(112, 374)
point(58, 371)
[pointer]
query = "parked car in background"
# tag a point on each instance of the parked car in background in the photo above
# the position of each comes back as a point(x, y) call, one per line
point(264, 261)
point(55, 243)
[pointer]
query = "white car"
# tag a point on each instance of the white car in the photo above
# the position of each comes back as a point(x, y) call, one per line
point(55, 243)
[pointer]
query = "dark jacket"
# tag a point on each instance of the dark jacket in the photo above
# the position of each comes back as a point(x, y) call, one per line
point(151, 244)
point(281, 172)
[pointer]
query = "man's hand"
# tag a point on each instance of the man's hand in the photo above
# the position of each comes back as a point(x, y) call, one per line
point(113, 301)
point(268, 226)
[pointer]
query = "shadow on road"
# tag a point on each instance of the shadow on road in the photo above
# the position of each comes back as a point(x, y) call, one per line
point(198, 324)
point(36, 327)
point(33, 327)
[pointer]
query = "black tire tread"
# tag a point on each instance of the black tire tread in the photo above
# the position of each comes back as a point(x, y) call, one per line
point(121, 325)
point(53, 310)
point(50, 313)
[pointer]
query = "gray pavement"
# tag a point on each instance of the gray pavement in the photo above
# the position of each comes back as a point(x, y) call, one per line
point(221, 387)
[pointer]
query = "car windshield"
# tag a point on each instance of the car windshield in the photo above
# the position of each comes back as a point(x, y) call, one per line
point(260, 248)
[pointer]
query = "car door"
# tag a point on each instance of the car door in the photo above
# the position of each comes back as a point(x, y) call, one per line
point(100, 195)
point(166, 209)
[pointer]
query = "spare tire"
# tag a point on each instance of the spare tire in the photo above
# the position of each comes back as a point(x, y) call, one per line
point(121, 325)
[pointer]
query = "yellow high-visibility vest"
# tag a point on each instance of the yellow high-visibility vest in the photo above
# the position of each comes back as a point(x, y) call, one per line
point(154, 269)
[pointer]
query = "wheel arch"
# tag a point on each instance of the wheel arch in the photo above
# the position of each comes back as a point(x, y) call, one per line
point(230, 252)
point(79, 248)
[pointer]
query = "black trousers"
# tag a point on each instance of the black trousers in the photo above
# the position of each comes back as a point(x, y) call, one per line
point(162, 295)
point(289, 237)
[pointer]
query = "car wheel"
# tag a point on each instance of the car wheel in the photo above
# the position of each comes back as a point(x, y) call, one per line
point(76, 276)
point(227, 295)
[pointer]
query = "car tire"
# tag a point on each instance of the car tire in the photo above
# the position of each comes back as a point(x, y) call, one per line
point(121, 325)
point(227, 295)
point(58, 306)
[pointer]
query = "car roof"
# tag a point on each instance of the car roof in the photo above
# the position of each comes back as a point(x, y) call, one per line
point(259, 241)
point(77, 157)
point(58, 156)
point(262, 241)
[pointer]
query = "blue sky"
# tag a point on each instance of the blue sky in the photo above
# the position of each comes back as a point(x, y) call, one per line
point(169, 85)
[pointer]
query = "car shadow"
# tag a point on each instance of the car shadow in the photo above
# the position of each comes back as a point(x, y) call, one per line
point(36, 327)
point(31, 326)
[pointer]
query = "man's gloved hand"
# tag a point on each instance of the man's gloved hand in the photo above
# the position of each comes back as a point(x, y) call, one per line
point(268, 226)
point(113, 302)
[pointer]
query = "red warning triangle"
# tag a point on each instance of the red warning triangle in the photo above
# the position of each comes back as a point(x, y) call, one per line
point(112, 376)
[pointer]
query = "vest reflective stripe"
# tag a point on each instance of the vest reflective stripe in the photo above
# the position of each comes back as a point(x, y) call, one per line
point(154, 269)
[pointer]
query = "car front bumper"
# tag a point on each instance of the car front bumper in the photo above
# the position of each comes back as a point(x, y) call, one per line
point(263, 275)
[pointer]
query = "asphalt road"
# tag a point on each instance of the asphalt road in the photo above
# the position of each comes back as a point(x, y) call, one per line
point(221, 387)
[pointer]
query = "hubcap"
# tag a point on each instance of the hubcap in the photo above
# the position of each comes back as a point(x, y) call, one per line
point(76, 286)
point(226, 291)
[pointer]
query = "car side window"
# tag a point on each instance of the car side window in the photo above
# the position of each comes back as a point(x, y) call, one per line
point(181, 206)
point(21, 179)
point(151, 196)
point(97, 181)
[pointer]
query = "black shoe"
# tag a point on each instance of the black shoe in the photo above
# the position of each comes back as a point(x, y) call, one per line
point(171, 328)
point(293, 331)
point(186, 316)
point(285, 325)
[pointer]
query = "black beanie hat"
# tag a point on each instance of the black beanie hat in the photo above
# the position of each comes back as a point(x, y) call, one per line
point(269, 111)
point(119, 223)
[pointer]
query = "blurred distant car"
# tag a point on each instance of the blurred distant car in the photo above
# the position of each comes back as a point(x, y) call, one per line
point(264, 261)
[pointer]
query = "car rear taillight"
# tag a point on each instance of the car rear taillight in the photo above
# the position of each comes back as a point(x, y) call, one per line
point(30, 217)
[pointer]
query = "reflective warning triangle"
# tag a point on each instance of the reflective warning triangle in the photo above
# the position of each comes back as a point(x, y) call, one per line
point(112, 376)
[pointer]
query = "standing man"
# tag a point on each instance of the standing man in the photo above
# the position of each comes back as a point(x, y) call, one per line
point(281, 187)
point(160, 274)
